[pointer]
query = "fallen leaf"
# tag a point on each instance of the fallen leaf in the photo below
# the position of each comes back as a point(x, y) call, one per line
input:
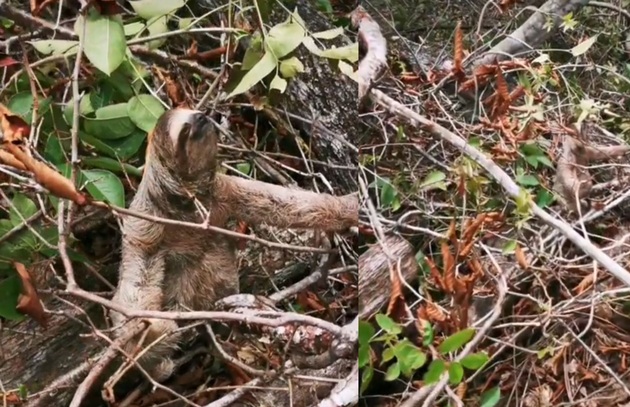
point(520, 257)
point(8, 159)
point(13, 129)
point(458, 50)
point(449, 268)
point(28, 301)
point(397, 307)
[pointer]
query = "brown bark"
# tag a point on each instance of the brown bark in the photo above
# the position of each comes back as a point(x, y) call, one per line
point(375, 285)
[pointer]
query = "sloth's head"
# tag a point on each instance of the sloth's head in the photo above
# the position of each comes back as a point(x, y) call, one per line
point(184, 141)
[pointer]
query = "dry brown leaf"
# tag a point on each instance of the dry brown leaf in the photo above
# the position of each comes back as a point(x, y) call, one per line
point(397, 307)
point(472, 229)
point(9, 159)
point(50, 179)
point(434, 313)
point(13, 129)
point(28, 301)
point(458, 50)
point(520, 257)
point(585, 284)
point(449, 268)
point(309, 301)
point(435, 274)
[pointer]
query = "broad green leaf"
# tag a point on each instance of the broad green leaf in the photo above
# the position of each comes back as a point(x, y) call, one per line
point(279, 84)
point(105, 43)
point(490, 398)
point(253, 53)
point(147, 9)
point(509, 247)
point(24, 206)
point(388, 324)
point(347, 70)
point(106, 163)
point(54, 149)
point(284, 38)
point(532, 149)
point(475, 360)
point(244, 168)
point(435, 370)
point(328, 34)
point(584, 46)
point(291, 67)
point(111, 122)
point(366, 332)
point(263, 68)
point(366, 378)
point(10, 289)
point(543, 159)
point(388, 354)
point(364, 355)
point(144, 111)
point(388, 194)
point(85, 108)
point(393, 372)
point(105, 186)
point(456, 341)
point(184, 23)
point(527, 180)
point(455, 373)
point(348, 52)
point(122, 148)
point(432, 179)
point(22, 105)
point(409, 356)
point(544, 198)
point(156, 26)
point(56, 47)
point(135, 28)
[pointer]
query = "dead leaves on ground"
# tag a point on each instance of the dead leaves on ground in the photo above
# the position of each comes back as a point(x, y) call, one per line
point(28, 300)
point(14, 132)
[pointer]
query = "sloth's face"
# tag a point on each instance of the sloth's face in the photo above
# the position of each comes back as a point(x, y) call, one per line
point(186, 142)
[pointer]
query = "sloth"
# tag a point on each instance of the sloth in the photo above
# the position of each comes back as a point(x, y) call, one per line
point(176, 268)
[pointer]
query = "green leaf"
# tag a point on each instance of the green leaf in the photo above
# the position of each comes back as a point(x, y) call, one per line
point(147, 9)
point(284, 38)
point(25, 207)
point(185, 22)
point(132, 29)
point(105, 44)
point(10, 289)
point(393, 372)
point(111, 122)
point(509, 247)
point(107, 163)
point(278, 83)
point(543, 159)
point(144, 111)
point(364, 355)
point(366, 377)
point(22, 105)
point(253, 53)
point(432, 179)
point(328, 34)
point(157, 26)
point(122, 148)
point(388, 354)
point(544, 198)
point(388, 324)
point(85, 108)
point(584, 46)
point(455, 373)
point(244, 168)
point(435, 370)
point(56, 47)
point(388, 194)
point(291, 67)
point(474, 361)
point(409, 356)
point(527, 180)
point(105, 186)
point(531, 149)
point(456, 341)
point(490, 398)
point(263, 68)
point(348, 52)
point(366, 332)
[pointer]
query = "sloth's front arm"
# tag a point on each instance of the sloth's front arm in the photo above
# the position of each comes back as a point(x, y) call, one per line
point(258, 202)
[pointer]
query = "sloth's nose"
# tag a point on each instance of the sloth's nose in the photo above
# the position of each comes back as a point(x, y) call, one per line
point(200, 120)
